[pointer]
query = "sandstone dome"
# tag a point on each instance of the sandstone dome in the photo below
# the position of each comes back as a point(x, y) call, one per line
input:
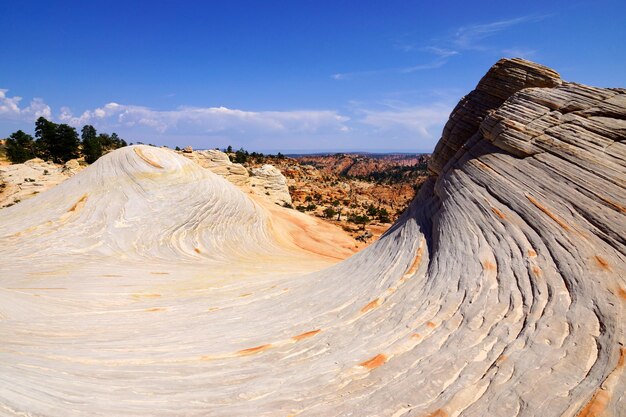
point(146, 285)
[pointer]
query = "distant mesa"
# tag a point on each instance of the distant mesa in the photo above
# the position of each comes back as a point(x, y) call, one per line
point(499, 292)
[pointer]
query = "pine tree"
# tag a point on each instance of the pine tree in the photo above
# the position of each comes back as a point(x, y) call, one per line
point(92, 148)
point(20, 147)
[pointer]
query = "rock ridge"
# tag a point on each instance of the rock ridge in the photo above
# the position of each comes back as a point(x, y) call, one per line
point(145, 285)
point(504, 79)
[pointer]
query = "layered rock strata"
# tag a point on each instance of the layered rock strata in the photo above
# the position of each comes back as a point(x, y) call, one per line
point(271, 182)
point(145, 285)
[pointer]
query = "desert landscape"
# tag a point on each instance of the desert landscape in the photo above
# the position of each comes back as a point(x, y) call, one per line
point(157, 282)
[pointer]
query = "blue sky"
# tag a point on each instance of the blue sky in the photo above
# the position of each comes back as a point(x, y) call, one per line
point(284, 75)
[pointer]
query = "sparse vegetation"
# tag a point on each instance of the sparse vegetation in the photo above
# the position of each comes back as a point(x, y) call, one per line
point(330, 212)
point(20, 147)
point(60, 143)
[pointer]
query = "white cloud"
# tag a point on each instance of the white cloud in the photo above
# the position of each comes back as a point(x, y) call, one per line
point(423, 120)
point(10, 108)
point(390, 125)
point(208, 119)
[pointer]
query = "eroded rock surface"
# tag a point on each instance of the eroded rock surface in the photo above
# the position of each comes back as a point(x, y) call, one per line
point(266, 181)
point(270, 181)
point(22, 181)
point(145, 285)
point(219, 163)
point(501, 81)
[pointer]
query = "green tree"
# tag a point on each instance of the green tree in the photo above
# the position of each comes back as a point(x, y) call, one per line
point(105, 141)
point(372, 211)
point(92, 147)
point(45, 132)
point(383, 215)
point(359, 219)
point(116, 142)
point(57, 142)
point(241, 156)
point(67, 144)
point(20, 147)
point(329, 212)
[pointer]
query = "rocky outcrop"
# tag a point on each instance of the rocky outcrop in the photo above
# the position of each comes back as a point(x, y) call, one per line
point(269, 181)
point(146, 285)
point(266, 181)
point(19, 182)
point(219, 163)
point(532, 192)
point(501, 81)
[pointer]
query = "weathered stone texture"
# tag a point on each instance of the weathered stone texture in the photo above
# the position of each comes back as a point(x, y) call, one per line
point(145, 285)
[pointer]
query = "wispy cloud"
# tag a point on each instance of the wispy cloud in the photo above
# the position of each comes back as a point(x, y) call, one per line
point(465, 38)
point(440, 52)
point(397, 70)
point(469, 37)
point(424, 121)
point(10, 108)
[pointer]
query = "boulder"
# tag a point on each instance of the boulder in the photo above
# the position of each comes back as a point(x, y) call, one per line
point(268, 180)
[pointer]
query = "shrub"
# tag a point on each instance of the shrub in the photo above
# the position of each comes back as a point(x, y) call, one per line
point(329, 212)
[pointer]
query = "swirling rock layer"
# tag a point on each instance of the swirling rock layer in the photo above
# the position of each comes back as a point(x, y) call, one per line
point(147, 286)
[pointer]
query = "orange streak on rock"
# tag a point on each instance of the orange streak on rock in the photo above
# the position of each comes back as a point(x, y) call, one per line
point(483, 165)
point(489, 266)
point(532, 253)
point(498, 213)
point(621, 293)
point(197, 250)
point(536, 271)
point(501, 359)
point(156, 309)
point(78, 204)
point(548, 213)
point(416, 336)
point(431, 325)
point(614, 204)
point(371, 305)
point(595, 407)
point(247, 294)
point(256, 349)
point(146, 159)
point(306, 335)
point(139, 296)
point(438, 413)
point(416, 262)
point(602, 263)
point(374, 362)
point(622, 358)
